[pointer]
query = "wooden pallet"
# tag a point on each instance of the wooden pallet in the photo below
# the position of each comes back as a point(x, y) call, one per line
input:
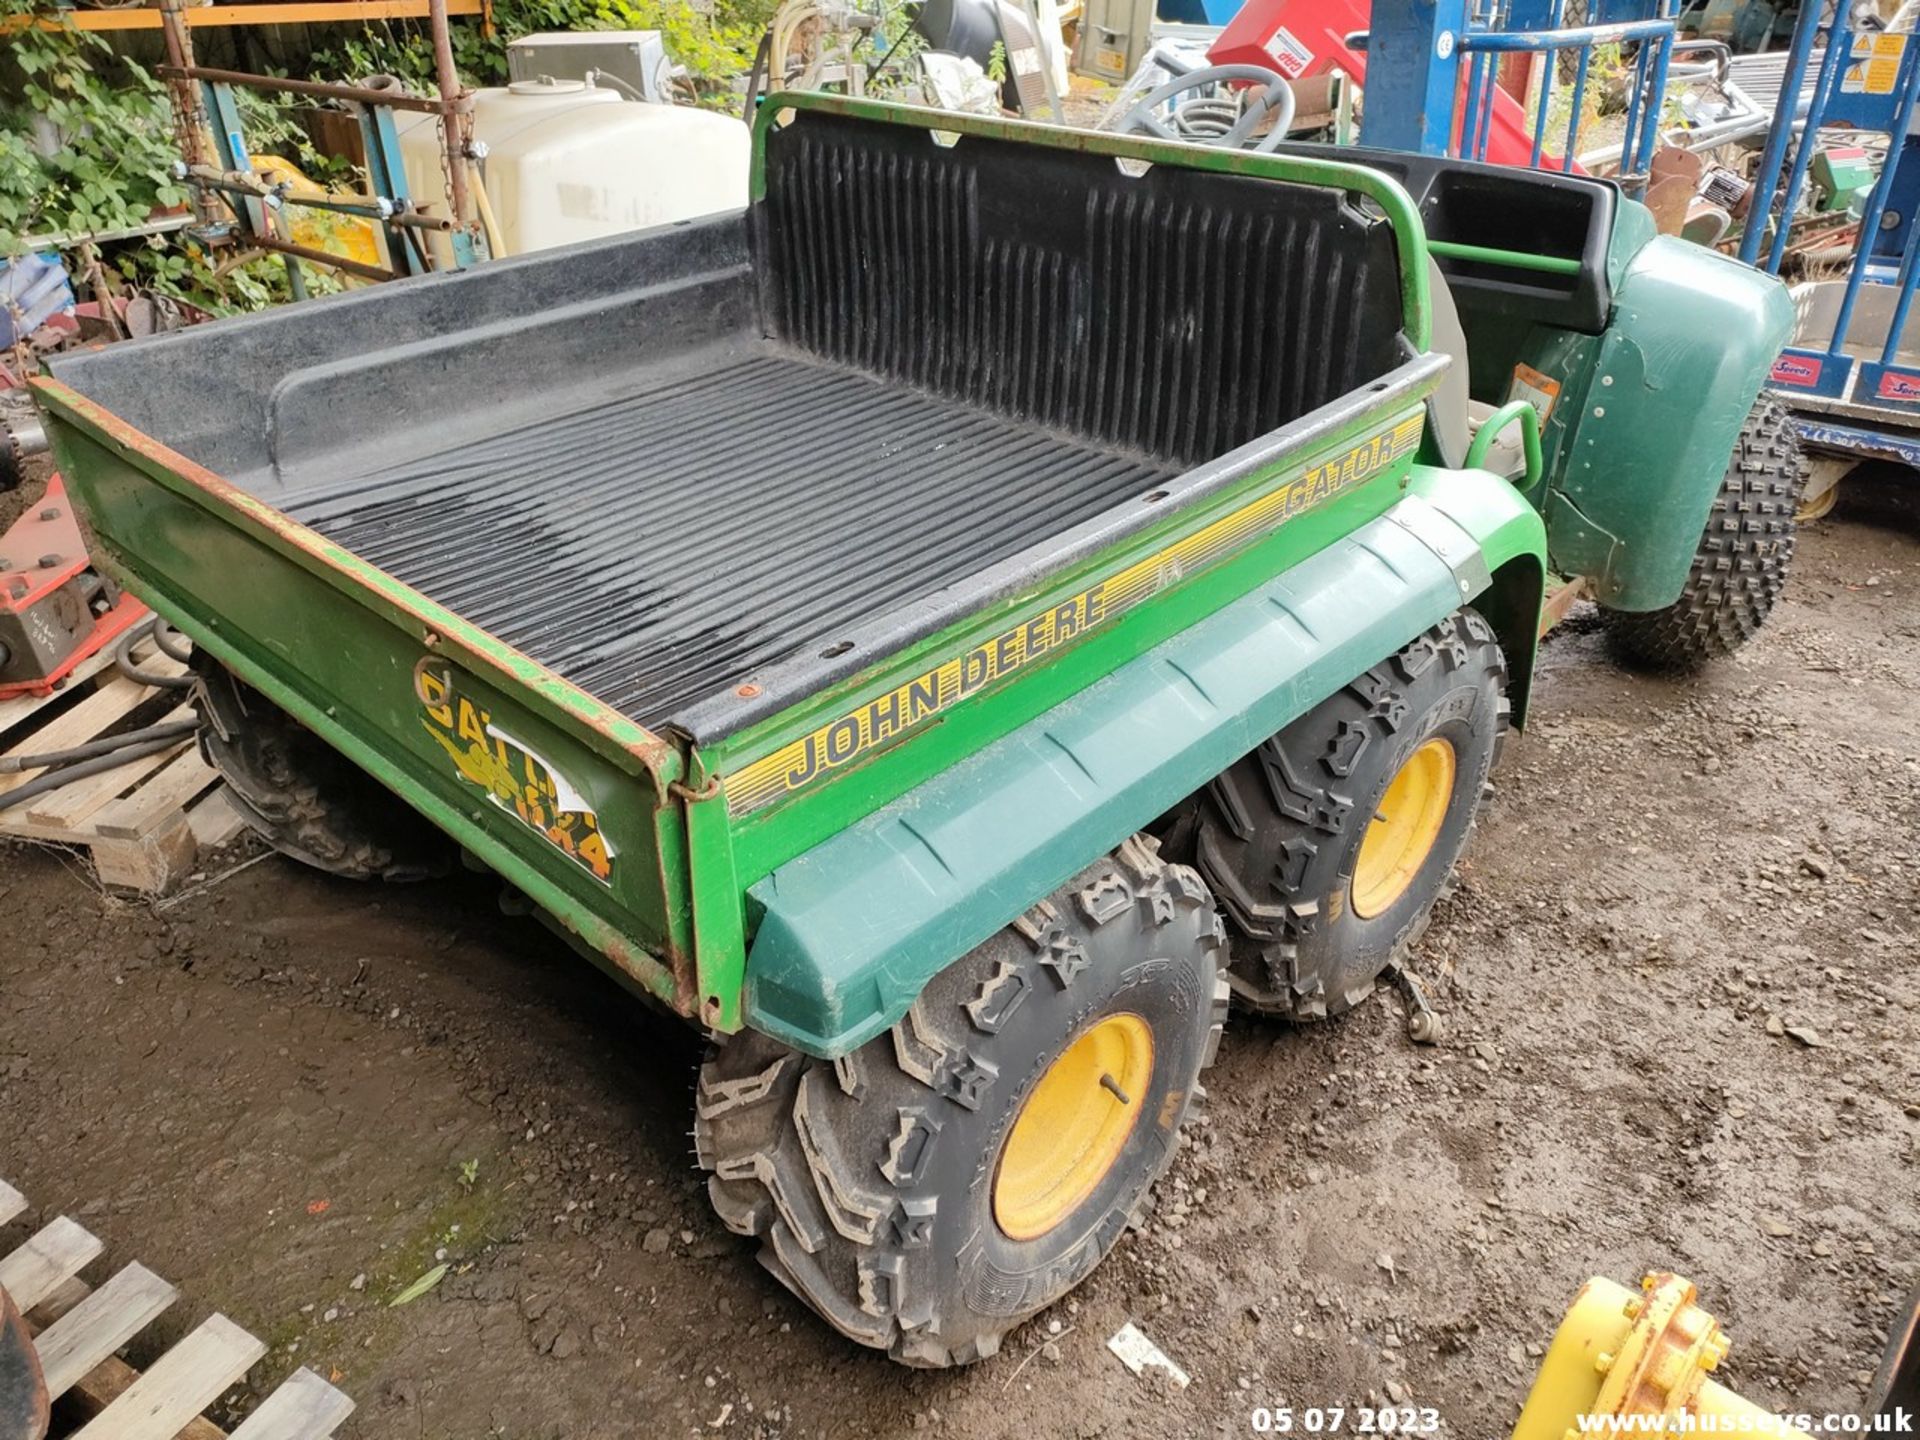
point(143, 823)
point(78, 1331)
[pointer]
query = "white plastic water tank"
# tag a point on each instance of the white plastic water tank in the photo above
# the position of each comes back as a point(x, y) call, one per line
point(566, 161)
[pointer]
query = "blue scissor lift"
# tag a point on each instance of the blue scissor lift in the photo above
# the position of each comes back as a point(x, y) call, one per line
point(1852, 375)
point(1436, 49)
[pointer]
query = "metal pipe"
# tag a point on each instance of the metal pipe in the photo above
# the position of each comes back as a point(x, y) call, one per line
point(1876, 207)
point(1833, 65)
point(359, 94)
point(453, 136)
point(248, 182)
point(1785, 118)
point(321, 257)
point(183, 98)
point(1636, 94)
point(412, 219)
point(1902, 307)
point(1547, 41)
point(1662, 66)
point(1573, 111)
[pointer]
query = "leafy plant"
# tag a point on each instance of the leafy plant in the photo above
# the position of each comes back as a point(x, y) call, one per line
point(87, 144)
point(87, 147)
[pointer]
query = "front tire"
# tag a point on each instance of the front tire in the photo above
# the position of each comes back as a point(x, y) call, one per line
point(1328, 846)
point(947, 1180)
point(1745, 552)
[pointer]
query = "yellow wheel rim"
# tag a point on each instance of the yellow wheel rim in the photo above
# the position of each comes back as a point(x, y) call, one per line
point(1073, 1126)
point(1402, 833)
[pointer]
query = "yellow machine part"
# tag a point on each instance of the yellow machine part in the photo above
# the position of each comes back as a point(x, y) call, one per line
point(348, 236)
point(1619, 1355)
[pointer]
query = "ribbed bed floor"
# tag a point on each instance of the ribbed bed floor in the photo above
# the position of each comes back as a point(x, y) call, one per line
point(655, 548)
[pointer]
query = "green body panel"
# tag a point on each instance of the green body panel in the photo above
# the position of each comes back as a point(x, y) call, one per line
point(335, 643)
point(1637, 443)
point(849, 933)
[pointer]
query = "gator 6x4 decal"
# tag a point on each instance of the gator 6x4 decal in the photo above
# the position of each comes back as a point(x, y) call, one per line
point(886, 717)
point(515, 778)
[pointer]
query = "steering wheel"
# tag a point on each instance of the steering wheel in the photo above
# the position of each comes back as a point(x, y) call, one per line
point(1275, 97)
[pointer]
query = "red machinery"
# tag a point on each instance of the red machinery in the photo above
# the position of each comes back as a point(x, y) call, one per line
point(1309, 37)
point(55, 608)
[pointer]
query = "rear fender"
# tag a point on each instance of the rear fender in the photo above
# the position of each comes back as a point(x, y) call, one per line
point(848, 933)
point(1692, 339)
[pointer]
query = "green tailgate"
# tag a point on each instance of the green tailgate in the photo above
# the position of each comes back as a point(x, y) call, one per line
point(562, 796)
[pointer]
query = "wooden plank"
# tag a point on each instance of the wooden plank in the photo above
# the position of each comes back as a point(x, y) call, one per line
point(65, 1295)
point(179, 1385)
point(100, 1325)
point(13, 711)
point(56, 1254)
point(108, 1380)
point(68, 806)
point(111, 1379)
point(151, 865)
point(88, 720)
point(162, 798)
point(12, 1202)
point(216, 820)
point(305, 1407)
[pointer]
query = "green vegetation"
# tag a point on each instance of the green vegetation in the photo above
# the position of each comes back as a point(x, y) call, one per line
point(87, 147)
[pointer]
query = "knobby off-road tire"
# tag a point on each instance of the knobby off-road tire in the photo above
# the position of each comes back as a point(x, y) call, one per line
point(1745, 552)
point(1279, 835)
point(872, 1181)
point(302, 796)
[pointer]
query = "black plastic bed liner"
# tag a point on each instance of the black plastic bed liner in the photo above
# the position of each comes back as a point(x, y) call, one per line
point(659, 547)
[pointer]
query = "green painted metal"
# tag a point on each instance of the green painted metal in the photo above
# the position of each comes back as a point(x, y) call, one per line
point(1649, 432)
point(1512, 259)
point(850, 932)
point(1410, 233)
point(768, 838)
point(336, 643)
point(1515, 412)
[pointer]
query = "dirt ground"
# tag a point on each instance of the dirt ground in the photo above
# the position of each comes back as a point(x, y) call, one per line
point(293, 1096)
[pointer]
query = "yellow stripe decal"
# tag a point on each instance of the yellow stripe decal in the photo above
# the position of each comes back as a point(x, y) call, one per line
point(887, 717)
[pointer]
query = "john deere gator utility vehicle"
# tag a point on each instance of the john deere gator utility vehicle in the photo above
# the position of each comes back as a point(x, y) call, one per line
point(939, 631)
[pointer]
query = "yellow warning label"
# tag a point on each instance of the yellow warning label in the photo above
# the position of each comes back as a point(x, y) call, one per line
point(887, 717)
point(1873, 65)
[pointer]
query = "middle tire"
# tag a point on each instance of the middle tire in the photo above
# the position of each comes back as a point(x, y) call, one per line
point(1328, 845)
point(962, 1171)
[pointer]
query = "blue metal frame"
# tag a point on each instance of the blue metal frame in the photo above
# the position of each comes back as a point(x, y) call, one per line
point(1888, 248)
point(230, 145)
point(1422, 45)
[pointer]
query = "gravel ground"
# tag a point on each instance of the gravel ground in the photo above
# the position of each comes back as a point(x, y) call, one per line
point(1681, 1016)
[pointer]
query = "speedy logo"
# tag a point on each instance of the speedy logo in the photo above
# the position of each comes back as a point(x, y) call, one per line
point(1897, 386)
point(514, 777)
point(886, 717)
point(1795, 370)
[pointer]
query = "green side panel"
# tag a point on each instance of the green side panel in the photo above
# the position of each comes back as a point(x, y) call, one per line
point(472, 735)
point(1693, 337)
point(849, 933)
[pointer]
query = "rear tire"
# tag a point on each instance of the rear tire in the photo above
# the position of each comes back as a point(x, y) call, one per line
point(875, 1182)
point(302, 796)
point(1741, 566)
point(1319, 897)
